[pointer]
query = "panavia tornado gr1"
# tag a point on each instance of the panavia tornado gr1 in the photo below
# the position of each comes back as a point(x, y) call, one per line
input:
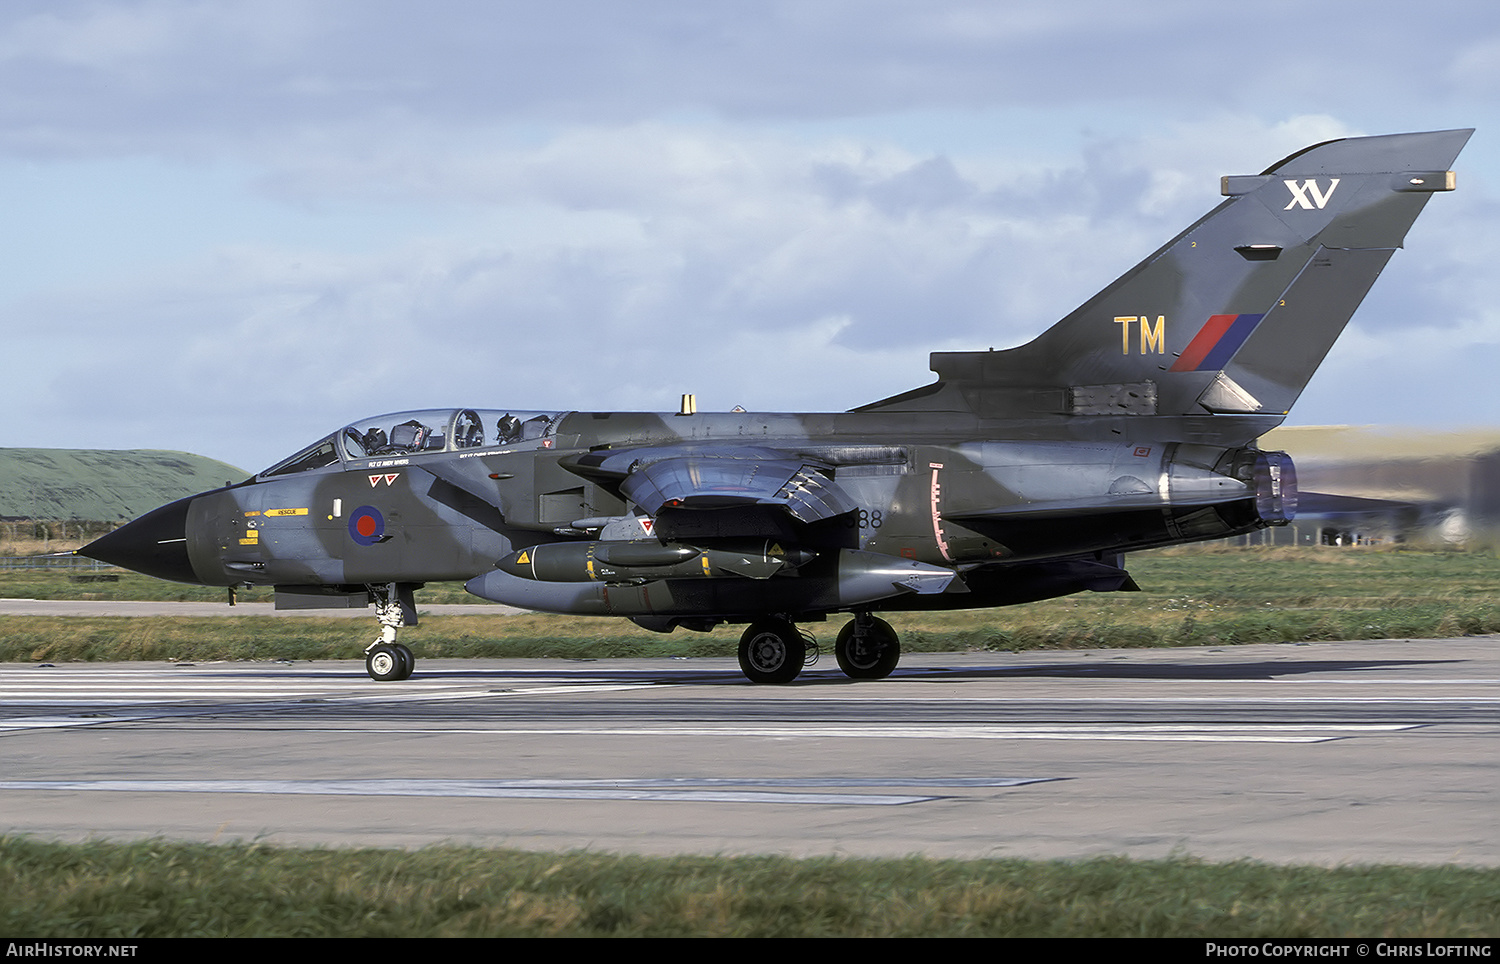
point(1016, 475)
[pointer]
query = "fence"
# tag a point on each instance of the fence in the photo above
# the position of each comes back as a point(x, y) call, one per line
point(50, 562)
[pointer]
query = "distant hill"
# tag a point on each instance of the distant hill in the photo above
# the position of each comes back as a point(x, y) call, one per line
point(102, 485)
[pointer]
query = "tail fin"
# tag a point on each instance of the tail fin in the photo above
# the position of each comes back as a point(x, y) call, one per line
point(1233, 315)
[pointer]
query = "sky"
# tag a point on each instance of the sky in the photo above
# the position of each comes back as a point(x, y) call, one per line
point(231, 227)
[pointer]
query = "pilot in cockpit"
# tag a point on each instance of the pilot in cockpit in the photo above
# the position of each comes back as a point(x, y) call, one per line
point(375, 439)
point(409, 436)
point(468, 430)
point(508, 429)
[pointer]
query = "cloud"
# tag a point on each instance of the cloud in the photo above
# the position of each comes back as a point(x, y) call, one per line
point(202, 76)
point(263, 219)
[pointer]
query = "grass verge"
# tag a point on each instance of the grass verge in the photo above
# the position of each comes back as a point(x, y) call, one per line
point(1191, 598)
point(160, 889)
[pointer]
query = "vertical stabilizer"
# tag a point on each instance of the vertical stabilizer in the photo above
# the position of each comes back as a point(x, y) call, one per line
point(1233, 315)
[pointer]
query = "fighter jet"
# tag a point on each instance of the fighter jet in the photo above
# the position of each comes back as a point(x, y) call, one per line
point(1014, 476)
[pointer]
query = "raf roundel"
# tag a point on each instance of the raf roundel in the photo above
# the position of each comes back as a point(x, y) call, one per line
point(366, 525)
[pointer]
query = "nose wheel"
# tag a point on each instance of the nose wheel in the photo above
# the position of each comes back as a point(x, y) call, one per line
point(389, 662)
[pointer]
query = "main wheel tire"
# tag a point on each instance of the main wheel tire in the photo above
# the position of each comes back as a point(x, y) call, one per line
point(384, 663)
point(772, 651)
point(871, 654)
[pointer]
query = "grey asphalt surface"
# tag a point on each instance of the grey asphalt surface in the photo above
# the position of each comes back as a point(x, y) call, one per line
point(1328, 753)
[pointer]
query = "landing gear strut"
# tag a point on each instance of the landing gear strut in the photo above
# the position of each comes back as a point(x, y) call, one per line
point(395, 606)
point(772, 651)
point(867, 648)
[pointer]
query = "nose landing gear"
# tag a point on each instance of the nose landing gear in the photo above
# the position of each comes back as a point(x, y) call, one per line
point(395, 606)
point(389, 661)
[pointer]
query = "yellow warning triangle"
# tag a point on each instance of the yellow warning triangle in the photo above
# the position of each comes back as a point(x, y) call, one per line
point(523, 559)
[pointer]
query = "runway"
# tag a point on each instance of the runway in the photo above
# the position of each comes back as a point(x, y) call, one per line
point(1328, 753)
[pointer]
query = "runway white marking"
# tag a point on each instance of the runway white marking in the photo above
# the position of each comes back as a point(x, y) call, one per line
point(149, 694)
point(141, 695)
point(1388, 679)
point(1181, 732)
point(1130, 732)
point(671, 789)
point(1289, 700)
point(1168, 733)
point(162, 693)
point(148, 687)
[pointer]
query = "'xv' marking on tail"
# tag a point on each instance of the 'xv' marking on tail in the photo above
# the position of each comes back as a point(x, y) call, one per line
point(1307, 196)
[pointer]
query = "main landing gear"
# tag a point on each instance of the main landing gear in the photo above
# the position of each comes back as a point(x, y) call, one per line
point(867, 648)
point(395, 606)
point(774, 650)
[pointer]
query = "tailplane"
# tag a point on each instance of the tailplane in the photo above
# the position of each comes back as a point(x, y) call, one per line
point(1233, 315)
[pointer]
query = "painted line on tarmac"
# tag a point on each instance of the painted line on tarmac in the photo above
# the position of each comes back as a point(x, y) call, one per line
point(23, 724)
point(1165, 733)
point(158, 700)
point(1378, 680)
point(1289, 700)
point(13, 687)
point(659, 790)
point(1124, 732)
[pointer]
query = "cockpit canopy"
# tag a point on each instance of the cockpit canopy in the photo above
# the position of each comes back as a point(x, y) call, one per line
point(418, 433)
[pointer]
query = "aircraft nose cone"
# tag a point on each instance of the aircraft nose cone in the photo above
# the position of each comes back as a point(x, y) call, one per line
point(155, 544)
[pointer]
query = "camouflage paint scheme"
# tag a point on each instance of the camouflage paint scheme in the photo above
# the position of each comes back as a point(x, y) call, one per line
point(1017, 475)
